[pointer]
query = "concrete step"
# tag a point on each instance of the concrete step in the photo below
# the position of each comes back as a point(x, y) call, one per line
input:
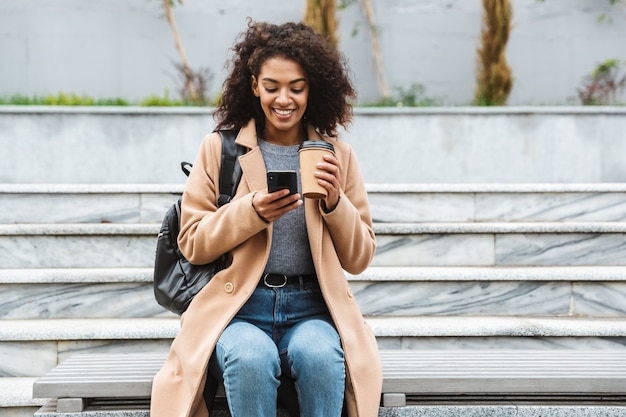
point(380, 291)
point(32, 347)
point(429, 408)
point(372, 274)
point(16, 397)
point(399, 244)
point(133, 203)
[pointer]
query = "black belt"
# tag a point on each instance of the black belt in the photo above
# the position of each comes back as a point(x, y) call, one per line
point(280, 280)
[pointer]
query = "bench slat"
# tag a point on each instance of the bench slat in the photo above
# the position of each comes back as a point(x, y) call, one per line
point(516, 372)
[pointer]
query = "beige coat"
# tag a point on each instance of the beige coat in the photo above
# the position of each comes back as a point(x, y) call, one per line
point(341, 240)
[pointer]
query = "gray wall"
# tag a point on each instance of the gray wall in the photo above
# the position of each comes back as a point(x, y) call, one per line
point(425, 145)
point(124, 48)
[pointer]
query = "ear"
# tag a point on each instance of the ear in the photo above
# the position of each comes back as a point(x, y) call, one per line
point(255, 86)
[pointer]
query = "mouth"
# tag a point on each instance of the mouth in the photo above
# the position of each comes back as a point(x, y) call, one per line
point(284, 112)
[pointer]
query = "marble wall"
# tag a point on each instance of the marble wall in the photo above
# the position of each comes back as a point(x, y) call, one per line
point(418, 145)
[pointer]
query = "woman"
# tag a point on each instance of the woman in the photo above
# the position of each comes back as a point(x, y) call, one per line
point(283, 307)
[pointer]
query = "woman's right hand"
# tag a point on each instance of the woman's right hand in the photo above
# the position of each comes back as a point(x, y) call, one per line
point(272, 206)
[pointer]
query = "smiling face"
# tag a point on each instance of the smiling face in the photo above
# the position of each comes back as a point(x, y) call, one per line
point(283, 90)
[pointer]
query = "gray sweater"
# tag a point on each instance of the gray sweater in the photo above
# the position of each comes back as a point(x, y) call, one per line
point(290, 253)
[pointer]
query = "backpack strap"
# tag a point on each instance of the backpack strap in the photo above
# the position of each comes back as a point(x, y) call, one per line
point(230, 170)
point(186, 167)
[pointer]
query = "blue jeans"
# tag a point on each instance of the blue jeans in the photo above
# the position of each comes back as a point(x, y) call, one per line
point(281, 331)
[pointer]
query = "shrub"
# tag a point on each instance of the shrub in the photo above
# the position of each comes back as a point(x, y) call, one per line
point(603, 85)
point(494, 81)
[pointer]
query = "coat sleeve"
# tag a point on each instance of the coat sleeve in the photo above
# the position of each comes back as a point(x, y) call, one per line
point(350, 223)
point(207, 232)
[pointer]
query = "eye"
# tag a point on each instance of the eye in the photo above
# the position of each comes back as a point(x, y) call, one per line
point(271, 89)
point(297, 90)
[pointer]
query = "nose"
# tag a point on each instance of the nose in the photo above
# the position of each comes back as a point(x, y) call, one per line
point(283, 96)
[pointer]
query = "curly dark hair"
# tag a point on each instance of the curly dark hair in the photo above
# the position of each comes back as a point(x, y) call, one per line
point(325, 67)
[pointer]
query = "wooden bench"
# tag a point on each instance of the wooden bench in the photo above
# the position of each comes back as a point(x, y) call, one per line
point(409, 376)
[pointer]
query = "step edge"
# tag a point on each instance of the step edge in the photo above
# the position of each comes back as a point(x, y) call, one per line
point(125, 229)
point(75, 275)
point(491, 273)
point(377, 188)
point(18, 392)
point(423, 326)
point(475, 326)
point(372, 274)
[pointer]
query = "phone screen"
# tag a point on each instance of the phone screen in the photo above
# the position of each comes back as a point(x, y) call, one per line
point(280, 180)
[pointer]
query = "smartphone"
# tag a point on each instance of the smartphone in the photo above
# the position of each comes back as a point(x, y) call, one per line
point(280, 180)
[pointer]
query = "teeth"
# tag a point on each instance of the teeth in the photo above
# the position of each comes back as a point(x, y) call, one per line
point(283, 112)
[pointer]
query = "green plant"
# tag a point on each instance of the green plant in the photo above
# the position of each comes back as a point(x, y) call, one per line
point(494, 80)
point(155, 100)
point(61, 99)
point(604, 17)
point(603, 85)
point(69, 99)
point(414, 96)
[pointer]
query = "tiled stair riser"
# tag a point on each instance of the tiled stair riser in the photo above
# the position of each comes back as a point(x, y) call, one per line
point(464, 298)
point(501, 249)
point(481, 298)
point(88, 300)
point(23, 359)
point(85, 207)
point(561, 249)
point(490, 207)
point(386, 207)
point(54, 251)
point(76, 251)
point(551, 207)
point(35, 358)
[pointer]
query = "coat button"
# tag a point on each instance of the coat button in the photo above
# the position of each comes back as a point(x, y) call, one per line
point(229, 287)
point(349, 292)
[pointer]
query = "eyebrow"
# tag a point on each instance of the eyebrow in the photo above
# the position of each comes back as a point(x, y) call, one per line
point(271, 80)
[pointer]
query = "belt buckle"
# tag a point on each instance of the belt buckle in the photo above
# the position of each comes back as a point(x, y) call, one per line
point(267, 284)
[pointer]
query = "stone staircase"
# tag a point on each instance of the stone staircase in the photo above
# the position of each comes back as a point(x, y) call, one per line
point(458, 266)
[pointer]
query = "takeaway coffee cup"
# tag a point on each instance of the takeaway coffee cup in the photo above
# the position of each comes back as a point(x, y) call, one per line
point(311, 152)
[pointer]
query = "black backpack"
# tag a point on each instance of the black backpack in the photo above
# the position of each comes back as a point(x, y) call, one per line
point(176, 281)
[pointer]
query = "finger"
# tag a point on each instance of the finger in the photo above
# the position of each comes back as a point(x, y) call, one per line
point(327, 179)
point(331, 159)
point(277, 195)
point(286, 201)
point(279, 207)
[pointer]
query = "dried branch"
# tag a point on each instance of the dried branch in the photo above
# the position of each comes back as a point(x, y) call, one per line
point(189, 77)
point(321, 16)
point(379, 68)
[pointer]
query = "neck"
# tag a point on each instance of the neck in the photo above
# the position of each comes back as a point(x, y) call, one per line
point(284, 137)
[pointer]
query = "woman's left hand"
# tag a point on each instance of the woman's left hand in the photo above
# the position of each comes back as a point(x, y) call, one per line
point(328, 176)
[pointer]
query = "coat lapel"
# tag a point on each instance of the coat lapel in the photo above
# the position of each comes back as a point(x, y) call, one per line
point(253, 170)
point(252, 163)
